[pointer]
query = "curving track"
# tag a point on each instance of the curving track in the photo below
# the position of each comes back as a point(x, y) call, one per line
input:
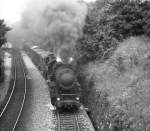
point(13, 108)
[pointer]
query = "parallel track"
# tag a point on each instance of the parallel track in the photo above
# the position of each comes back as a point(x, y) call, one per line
point(13, 108)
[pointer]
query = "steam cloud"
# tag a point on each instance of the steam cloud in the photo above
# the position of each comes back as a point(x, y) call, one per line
point(57, 24)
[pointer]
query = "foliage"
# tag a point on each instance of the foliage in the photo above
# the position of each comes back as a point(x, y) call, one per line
point(3, 30)
point(119, 98)
point(119, 88)
point(97, 34)
point(108, 22)
point(128, 19)
point(131, 17)
point(1, 65)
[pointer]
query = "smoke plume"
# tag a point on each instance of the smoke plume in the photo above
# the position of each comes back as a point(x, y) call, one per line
point(56, 23)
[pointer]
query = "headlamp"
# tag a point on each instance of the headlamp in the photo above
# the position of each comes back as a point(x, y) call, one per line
point(58, 99)
point(58, 59)
point(77, 98)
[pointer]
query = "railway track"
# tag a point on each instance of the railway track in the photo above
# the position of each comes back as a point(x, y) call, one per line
point(13, 107)
point(74, 121)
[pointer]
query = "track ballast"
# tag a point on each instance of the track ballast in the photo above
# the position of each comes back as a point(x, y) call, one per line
point(13, 107)
point(72, 121)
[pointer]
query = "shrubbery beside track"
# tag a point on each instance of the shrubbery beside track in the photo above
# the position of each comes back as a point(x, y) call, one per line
point(108, 23)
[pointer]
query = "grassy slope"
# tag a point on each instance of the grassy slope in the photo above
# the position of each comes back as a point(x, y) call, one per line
point(121, 92)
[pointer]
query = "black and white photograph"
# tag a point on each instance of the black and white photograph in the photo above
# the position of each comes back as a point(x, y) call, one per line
point(74, 65)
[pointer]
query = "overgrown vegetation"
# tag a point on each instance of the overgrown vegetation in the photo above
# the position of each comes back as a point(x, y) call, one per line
point(117, 77)
point(109, 22)
point(3, 30)
point(120, 95)
point(97, 41)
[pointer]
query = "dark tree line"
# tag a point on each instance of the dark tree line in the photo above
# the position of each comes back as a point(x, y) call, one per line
point(111, 21)
point(132, 18)
point(3, 30)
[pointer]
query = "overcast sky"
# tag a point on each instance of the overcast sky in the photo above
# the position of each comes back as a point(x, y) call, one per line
point(10, 10)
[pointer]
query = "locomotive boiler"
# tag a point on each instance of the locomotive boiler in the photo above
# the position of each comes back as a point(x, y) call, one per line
point(65, 90)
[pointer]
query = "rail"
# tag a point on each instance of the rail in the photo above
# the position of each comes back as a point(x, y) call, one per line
point(24, 97)
point(18, 92)
point(71, 122)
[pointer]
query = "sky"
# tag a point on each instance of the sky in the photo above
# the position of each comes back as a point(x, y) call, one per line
point(11, 10)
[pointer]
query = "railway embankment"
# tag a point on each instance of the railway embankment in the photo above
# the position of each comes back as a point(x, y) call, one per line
point(118, 89)
point(4, 86)
point(36, 114)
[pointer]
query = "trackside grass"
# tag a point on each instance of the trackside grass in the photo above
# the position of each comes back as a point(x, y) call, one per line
point(120, 92)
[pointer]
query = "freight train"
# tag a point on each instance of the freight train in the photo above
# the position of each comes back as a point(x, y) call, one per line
point(65, 90)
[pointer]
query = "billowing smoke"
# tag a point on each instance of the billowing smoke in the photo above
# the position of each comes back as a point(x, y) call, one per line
point(56, 23)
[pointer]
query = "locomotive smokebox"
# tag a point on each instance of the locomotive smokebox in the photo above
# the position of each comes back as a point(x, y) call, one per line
point(65, 77)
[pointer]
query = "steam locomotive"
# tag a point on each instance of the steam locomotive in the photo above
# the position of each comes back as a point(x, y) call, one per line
point(62, 78)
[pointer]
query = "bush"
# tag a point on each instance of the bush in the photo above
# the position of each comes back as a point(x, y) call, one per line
point(109, 22)
point(3, 30)
point(1, 66)
point(2, 73)
point(98, 39)
point(119, 92)
point(119, 98)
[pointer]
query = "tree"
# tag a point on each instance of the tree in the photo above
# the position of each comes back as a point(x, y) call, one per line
point(98, 39)
point(109, 22)
point(132, 17)
point(3, 30)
